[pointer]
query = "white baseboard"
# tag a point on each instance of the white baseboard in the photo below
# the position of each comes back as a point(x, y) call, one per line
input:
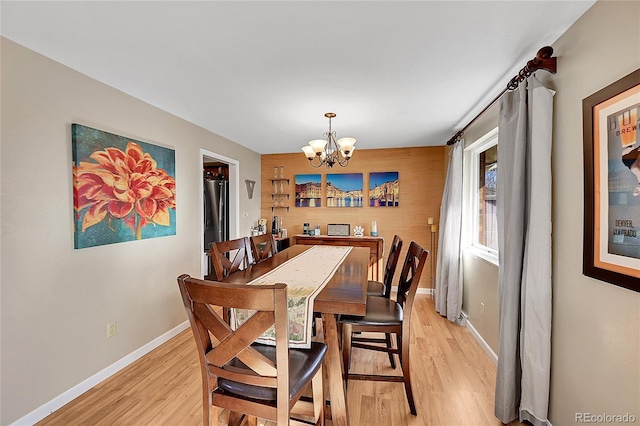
point(482, 342)
point(422, 290)
point(62, 399)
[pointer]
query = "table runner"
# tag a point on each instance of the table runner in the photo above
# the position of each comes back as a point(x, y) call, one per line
point(305, 276)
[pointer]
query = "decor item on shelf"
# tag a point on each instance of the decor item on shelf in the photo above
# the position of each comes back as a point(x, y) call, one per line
point(338, 229)
point(358, 231)
point(328, 151)
point(374, 228)
point(262, 226)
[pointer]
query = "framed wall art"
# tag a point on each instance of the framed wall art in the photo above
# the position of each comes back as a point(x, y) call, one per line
point(309, 190)
point(384, 189)
point(344, 190)
point(123, 189)
point(611, 249)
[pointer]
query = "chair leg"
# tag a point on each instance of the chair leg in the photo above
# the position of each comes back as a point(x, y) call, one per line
point(346, 349)
point(405, 362)
point(237, 419)
point(319, 402)
point(392, 359)
point(211, 415)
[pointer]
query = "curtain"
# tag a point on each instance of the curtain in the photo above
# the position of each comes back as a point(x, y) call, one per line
point(524, 241)
point(449, 266)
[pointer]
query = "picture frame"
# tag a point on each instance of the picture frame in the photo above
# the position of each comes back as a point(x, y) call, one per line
point(611, 149)
point(123, 189)
point(384, 189)
point(308, 190)
point(345, 190)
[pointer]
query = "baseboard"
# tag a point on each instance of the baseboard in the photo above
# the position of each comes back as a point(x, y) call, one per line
point(482, 342)
point(62, 399)
point(422, 290)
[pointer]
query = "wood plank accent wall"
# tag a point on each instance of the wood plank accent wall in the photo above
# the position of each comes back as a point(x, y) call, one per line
point(421, 178)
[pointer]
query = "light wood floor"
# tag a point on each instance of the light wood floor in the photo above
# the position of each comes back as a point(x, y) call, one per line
point(453, 384)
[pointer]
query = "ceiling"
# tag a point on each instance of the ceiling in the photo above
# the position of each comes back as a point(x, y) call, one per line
point(396, 73)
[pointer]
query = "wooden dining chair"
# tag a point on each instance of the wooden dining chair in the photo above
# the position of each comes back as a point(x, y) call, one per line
point(387, 316)
point(240, 375)
point(263, 246)
point(377, 288)
point(229, 256)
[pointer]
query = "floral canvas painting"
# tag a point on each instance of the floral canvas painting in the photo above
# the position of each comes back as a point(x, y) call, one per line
point(123, 189)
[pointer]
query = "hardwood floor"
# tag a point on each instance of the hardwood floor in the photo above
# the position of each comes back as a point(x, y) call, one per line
point(453, 383)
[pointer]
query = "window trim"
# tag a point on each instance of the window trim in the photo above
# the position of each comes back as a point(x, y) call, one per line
point(472, 169)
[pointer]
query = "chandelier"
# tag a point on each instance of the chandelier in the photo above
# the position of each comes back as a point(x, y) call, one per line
point(329, 151)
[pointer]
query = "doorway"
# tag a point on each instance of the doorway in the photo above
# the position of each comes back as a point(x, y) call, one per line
point(232, 168)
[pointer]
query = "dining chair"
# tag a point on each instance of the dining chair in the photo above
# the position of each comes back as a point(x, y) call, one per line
point(387, 316)
point(260, 381)
point(377, 288)
point(263, 246)
point(228, 256)
point(383, 289)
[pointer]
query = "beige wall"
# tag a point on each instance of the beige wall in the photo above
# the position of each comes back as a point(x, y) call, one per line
point(421, 176)
point(480, 277)
point(596, 325)
point(56, 301)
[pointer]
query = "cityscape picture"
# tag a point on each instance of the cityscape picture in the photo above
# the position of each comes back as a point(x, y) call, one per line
point(344, 190)
point(384, 190)
point(309, 190)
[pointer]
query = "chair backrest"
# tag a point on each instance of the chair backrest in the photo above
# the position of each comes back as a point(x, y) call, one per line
point(263, 246)
point(202, 300)
point(410, 277)
point(228, 256)
point(392, 262)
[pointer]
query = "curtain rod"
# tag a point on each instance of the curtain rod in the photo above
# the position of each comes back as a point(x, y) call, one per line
point(542, 61)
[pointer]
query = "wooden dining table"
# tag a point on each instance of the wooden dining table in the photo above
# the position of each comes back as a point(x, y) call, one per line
point(345, 293)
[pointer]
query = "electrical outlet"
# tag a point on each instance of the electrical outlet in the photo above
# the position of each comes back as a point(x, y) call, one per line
point(482, 308)
point(112, 329)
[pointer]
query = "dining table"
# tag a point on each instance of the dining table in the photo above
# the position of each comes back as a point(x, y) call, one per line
point(345, 293)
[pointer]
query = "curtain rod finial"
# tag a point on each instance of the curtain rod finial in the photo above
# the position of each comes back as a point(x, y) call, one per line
point(545, 53)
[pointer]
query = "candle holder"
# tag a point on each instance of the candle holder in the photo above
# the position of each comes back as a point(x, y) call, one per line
point(432, 255)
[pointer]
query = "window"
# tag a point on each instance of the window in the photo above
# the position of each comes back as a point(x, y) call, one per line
point(481, 217)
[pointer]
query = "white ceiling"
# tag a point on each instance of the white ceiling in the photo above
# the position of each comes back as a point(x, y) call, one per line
point(262, 74)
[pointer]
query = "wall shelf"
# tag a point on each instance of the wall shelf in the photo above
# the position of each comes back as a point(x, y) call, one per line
point(280, 194)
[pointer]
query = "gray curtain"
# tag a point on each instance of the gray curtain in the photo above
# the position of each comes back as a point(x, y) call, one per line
point(449, 267)
point(524, 239)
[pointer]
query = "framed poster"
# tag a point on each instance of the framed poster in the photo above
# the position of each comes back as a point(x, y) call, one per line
point(611, 249)
point(309, 190)
point(344, 190)
point(123, 189)
point(384, 189)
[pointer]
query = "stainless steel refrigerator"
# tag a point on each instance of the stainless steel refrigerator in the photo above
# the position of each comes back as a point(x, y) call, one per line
point(216, 211)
